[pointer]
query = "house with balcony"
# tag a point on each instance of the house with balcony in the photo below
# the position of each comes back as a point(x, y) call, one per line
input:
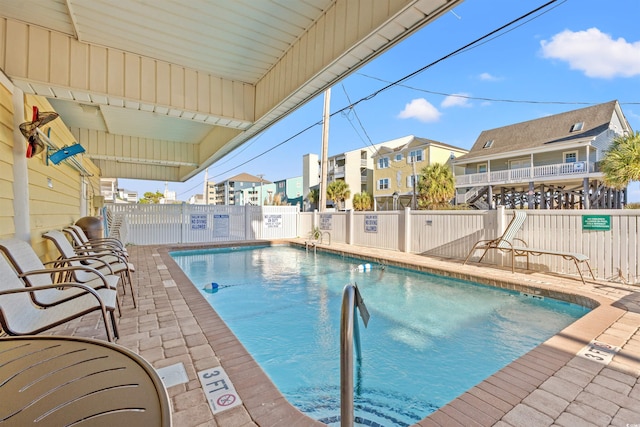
point(397, 169)
point(547, 163)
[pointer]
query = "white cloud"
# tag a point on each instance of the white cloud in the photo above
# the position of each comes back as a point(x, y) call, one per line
point(487, 77)
point(595, 53)
point(420, 109)
point(456, 100)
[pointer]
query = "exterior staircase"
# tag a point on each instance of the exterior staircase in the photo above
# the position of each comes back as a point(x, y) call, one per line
point(476, 197)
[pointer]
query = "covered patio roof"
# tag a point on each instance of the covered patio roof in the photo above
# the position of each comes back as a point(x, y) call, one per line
point(161, 90)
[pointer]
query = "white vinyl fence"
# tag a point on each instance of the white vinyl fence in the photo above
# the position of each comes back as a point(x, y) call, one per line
point(611, 238)
point(169, 224)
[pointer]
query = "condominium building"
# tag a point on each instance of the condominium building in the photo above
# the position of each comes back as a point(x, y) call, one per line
point(240, 190)
point(354, 167)
point(397, 170)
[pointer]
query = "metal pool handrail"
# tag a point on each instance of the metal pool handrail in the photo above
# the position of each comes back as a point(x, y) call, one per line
point(348, 330)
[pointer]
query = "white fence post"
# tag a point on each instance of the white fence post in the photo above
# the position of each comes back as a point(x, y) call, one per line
point(407, 230)
point(247, 221)
point(501, 221)
point(350, 227)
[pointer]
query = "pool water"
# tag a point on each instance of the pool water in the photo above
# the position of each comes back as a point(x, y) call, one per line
point(429, 339)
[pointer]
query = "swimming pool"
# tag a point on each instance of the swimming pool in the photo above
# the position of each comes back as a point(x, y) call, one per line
point(429, 339)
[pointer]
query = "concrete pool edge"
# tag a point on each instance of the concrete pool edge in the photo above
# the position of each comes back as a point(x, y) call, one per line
point(484, 404)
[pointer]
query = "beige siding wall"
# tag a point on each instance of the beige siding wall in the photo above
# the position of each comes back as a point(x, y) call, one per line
point(65, 63)
point(7, 228)
point(442, 155)
point(55, 191)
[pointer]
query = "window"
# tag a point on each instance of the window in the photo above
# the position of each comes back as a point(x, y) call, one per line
point(482, 168)
point(383, 184)
point(488, 144)
point(414, 156)
point(577, 127)
point(519, 164)
point(383, 162)
point(398, 157)
point(570, 156)
point(411, 179)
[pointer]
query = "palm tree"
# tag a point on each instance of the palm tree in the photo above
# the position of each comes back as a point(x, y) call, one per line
point(436, 186)
point(362, 201)
point(621, 162)
point(151, 197)
point(338, 191)
point(313, 196)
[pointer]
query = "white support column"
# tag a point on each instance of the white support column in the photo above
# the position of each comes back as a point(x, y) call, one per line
point(21, 214)
point(84, 205)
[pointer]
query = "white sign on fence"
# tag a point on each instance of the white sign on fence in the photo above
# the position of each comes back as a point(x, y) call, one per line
point(221, 225)
point(273, 221)
point(198, 221)
point(371, 223)
point(325, 222)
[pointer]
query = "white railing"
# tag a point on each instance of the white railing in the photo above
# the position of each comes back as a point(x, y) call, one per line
point(613, 252)
point(525, 174)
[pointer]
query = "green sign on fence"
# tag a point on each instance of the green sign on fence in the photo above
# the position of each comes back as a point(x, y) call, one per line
point(596, 222)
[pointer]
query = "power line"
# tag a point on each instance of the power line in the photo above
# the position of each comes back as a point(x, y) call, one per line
point(477, 42)
point(480, 98)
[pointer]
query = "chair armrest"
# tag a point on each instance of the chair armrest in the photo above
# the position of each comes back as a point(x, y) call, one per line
point(102, 255)
point(99, 248)
point(86, 288)
point(111, 240)
point(68, 268)
point(82, 258)
point(521, 241)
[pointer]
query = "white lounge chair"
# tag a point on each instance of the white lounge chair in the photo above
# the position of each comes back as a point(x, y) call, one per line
point(114, 263)
point(518, 248)
point(34, 273)
point(82, 243)
point(19, 315)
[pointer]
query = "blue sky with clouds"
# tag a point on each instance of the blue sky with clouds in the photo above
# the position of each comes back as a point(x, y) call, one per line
point(572, 54)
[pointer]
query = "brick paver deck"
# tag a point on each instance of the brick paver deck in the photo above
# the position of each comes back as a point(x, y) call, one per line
point(550, 385)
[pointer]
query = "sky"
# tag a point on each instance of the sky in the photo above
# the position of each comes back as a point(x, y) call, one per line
point(571, 54)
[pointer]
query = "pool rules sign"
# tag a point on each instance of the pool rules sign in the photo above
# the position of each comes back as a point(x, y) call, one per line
point(218, 389)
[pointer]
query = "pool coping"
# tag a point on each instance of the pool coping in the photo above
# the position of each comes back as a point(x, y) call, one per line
point(484, 404)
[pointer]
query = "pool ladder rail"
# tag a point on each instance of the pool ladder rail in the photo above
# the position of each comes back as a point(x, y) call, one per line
point(349, 337)
point(319, 241)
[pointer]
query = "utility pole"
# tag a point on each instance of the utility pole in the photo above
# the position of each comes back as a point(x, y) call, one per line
point(205, 192)
point(260, 176)
point(325, 150)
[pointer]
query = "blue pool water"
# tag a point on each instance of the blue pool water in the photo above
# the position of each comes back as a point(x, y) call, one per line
point(429, 338)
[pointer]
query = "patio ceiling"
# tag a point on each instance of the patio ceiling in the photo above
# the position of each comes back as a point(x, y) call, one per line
point(161, 90)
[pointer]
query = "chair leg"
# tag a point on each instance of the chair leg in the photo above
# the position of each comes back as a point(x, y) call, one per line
point(106, 324)
point(590, 271)
point(469, 255)
point(483, 254)
point(513, 261)
point(579, 271)
point(116, 332)
point(130, 280)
